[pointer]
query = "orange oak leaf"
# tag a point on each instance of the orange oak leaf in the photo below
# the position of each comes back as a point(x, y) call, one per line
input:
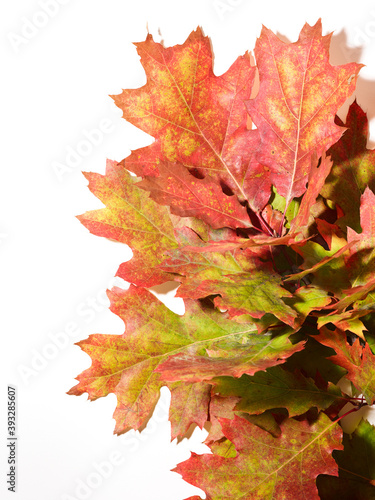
point(357, 360)
point(347, 320)
point(303, 93)
point(197, 118)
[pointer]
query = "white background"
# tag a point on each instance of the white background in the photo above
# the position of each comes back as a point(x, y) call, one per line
point(54, 86)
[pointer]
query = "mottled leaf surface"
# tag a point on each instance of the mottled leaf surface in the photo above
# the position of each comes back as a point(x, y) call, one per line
point(266, 467)
point(244, 281)
point(276, 388)
point(198, 118)
point(188, 196)
point(361, 263)
point(125, 364)
point(353, 167)
point(357, 360)
point(255, 352)
point(130, 217)
point(303, 92)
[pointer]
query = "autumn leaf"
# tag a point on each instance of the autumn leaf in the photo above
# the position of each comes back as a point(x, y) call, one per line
point(317, 176)
point(258, 202)
point(143, 162)
point(357, 360)
point(276, 388)
point(244, 282)
point(255, 352)
point(361, 262)
point(220, 407)
point(353, 296)
point(303, 93)
point(224, 407)
point(307, 299)
point(258, 240)
point(266, 467)
point(327, 266)
point(352, 169)
point(346, 321)
point(188, 196)
point(254, 294)
point(126, 364)
point(197, 118)
point(130, 217)
point(356, 464)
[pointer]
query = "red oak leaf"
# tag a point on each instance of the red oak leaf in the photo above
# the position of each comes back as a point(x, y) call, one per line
point(317, 177)
point(188, 196)
point(197, 118)
point(361, 262)
point(303, 93)
point(267, 467)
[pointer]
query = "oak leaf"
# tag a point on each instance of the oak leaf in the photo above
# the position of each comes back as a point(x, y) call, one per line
point(361, 261)
point(131, 217)
point(276, 388)
point(228, 357)
point(126, 364)
point(357, 360)
point(243, 281)
point(352, 169)
point(356, 464)
point(188, 196)
point(266, 467)
point(198, 118)
point(303, 92)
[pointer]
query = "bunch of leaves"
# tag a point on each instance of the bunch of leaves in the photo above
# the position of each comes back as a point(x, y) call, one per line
point(258, 200)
